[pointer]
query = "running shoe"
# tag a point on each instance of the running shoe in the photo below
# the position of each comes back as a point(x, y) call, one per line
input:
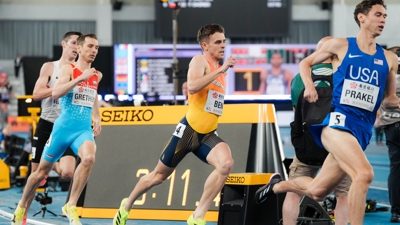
point(18, 216)
point(192, 221)
point(122, 215)
point(263, 192)
point(72, 214)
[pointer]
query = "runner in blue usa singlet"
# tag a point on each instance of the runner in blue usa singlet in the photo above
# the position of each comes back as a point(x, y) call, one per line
point(73, 126)
point(360, 83)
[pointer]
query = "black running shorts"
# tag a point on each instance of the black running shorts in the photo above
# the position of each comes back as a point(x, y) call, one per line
point(184, 140)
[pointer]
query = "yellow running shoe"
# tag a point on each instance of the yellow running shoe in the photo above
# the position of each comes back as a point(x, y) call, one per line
point(122, 215)
point(18, 216)
point(192, 221)
point(72, 214)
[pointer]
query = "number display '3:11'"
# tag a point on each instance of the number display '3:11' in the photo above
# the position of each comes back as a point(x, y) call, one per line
point(185, 177)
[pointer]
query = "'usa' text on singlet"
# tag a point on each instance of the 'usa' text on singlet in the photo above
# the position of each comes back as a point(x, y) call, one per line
point(362, 89)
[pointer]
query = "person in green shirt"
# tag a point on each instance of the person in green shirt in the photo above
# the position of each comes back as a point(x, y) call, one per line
point(297, 85)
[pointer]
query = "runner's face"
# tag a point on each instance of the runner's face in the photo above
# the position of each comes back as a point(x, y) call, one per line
point(71, 46)
point(216, 46)
point(375, 20)
point(89, 49)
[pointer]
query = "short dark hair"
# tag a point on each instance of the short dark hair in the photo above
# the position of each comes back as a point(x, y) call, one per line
point(82, 38)
point(68, 35)
point(365, 6)
point(206, 31)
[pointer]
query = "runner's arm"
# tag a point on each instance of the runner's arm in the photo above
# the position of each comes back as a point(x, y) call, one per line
point(197, 79)
point(96, 111)
point(390, 100)
point(41, 90)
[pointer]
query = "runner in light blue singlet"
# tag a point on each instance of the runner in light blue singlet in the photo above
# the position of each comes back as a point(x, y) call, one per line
point(75, 119)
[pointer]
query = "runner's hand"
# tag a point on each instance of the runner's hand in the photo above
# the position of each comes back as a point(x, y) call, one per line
point(229, 63)
point(88, 73)
point(96, 127)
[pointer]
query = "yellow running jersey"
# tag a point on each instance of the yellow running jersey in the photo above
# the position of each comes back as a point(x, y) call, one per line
point(206, 105)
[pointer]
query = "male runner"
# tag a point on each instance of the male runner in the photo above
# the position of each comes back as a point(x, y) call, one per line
point(77, 90)
point(309, 157)
point(50, 110)
point(196, 132)
point(364, 76)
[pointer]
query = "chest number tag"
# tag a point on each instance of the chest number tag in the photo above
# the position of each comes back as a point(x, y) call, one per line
point(215, 102)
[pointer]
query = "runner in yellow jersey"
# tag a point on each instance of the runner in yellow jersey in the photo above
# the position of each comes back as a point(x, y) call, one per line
point(196, 132)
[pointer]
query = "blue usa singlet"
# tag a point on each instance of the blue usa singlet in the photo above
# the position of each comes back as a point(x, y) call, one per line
point(359, 85)
point(360, 82)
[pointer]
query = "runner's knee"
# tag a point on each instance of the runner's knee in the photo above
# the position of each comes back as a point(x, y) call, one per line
point(153, 179)
point(226, 166)
point(318, 194)
point(88, 159)
point(67, 174)
point(364, 176)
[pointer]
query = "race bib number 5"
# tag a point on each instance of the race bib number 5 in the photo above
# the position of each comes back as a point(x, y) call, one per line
point(337, 119)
